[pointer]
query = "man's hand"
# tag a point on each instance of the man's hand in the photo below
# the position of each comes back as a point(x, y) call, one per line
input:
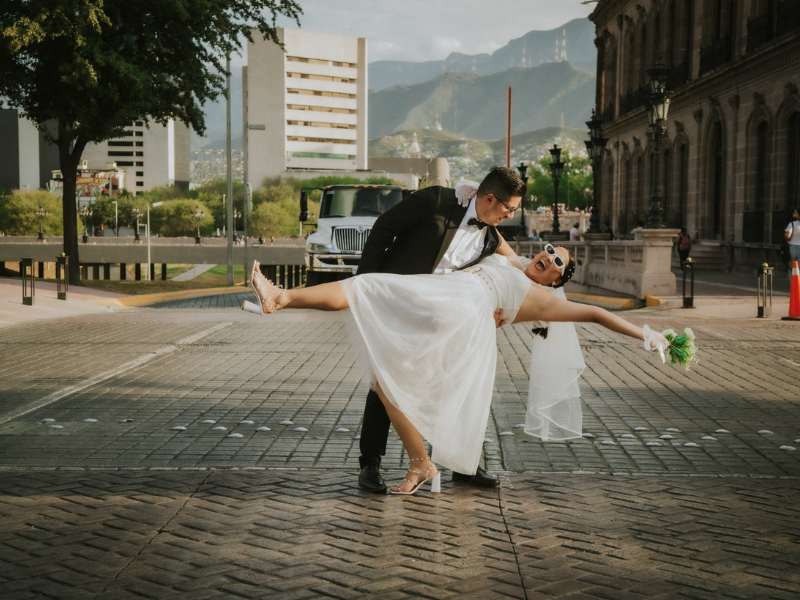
point(498, 317)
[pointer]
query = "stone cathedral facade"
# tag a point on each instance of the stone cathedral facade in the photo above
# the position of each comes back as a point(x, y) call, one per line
point(730, 163)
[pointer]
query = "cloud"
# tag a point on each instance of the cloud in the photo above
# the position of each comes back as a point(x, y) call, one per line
point(421, 30)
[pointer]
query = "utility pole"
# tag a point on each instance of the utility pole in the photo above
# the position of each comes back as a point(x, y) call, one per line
point(229, 168)
point(508, 131)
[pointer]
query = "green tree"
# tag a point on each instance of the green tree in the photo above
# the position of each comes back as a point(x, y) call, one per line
point(575, 185)
point(177, 217)
point(19, 216)
point(83, 70)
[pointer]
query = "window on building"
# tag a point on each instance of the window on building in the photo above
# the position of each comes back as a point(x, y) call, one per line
point(715, 205)
point(753, 221)
point(140, 184)
point(120, 153)
point(683, 184)
point(792, 199)
point(628, 201)
point(140, 173)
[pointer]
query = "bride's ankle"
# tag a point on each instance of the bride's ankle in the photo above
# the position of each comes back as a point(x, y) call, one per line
point(422, 464)
point(282, 299)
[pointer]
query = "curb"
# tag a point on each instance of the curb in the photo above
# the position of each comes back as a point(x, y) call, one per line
point(151, 299)
point(654, 301)
point(607, 302)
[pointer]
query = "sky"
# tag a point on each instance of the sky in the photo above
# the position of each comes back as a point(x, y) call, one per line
point(419, 30)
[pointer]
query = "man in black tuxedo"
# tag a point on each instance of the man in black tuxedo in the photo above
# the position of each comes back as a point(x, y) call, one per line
point(432, 232)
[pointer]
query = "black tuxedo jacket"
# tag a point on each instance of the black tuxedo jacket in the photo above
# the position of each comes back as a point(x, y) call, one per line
point(412, 237)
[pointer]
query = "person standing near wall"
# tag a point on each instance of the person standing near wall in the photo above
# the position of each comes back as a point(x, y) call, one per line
point(792, 237)
point(684, 245)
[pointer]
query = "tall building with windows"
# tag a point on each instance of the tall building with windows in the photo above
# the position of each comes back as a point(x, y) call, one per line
point(305, 105)
point(730, 163)
point(151, 155)
point(26, 157)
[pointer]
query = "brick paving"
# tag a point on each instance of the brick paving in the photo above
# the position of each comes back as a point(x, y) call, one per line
point(129, 488)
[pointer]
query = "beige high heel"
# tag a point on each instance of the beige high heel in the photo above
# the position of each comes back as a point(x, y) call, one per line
point(430, 473)
point(269, 303)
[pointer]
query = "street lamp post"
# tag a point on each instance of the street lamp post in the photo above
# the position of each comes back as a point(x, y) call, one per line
point(236, 216)
point(41, 213)
point(86, 213)
point(147, 233)
point(136, 214)
point(198, 215)
point(523, 173)
point(595, 147)
point(658, 100)
point(556, 169)
point(116, 218)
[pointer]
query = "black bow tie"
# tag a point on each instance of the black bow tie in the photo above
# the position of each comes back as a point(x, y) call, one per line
point(477, 223)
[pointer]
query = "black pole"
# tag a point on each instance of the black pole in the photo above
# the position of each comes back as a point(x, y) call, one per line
point(594, 220)
point(556, 227)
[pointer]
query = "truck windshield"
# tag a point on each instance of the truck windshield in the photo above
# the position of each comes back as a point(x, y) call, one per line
point(358, 202)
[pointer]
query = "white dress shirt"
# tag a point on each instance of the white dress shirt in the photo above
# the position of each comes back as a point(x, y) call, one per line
point(466, 245)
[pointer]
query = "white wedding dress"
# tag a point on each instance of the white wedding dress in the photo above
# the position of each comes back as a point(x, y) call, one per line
point(430, 341)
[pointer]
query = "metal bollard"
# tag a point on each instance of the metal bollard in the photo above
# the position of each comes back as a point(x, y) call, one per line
point(28, 281)
point(62, 283)
point(688, 274)
point(764, 298)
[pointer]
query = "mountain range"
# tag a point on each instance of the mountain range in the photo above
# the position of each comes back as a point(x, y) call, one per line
point(475, 106)
point(530, 50)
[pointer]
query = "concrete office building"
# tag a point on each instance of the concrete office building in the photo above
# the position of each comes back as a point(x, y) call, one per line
point(26, 158)
point(305, 108)
point(730, 163)
point(150, 156)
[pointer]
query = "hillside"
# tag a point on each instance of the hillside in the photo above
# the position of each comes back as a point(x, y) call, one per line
point(474, 106)
point(473, 158)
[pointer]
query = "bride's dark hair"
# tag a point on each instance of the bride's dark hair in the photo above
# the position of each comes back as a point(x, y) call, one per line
point(569, 271)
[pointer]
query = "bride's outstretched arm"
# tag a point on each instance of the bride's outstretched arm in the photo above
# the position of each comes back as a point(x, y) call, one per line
point(540, 305)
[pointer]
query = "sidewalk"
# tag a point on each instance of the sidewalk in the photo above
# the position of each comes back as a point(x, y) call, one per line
point(209, 453)
point(201, 452)
point(46, 305)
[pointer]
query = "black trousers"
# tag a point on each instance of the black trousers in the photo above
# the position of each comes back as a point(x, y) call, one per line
point(374, 431)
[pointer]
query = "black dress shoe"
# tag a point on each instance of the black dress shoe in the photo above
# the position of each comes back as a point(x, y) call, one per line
point(370, 480)
point(480, 479)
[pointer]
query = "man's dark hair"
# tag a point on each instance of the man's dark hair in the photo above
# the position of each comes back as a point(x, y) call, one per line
point(503, 183)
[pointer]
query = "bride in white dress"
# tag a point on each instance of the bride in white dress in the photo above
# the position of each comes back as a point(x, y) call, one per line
point(429, 342)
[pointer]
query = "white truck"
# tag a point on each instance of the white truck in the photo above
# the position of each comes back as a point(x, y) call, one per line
point(346, 215)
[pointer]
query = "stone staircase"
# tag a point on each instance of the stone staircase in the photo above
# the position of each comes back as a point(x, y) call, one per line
point(706, 255)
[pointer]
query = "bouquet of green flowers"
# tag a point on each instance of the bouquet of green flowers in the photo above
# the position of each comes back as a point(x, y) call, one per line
point(682, 348)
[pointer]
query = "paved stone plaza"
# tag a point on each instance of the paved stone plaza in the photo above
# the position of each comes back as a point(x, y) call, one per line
point(197, 452)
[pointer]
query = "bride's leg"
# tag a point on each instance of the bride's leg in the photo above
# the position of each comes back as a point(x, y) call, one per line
point(326, 296)
point(421, 466)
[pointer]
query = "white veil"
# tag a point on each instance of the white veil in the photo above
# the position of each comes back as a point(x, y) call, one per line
point(554, 399)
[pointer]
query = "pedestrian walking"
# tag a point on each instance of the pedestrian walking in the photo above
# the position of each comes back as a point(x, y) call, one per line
point(684, 245)
point(791, 236)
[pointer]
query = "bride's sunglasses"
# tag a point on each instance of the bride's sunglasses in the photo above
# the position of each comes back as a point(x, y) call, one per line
point(554, 257)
